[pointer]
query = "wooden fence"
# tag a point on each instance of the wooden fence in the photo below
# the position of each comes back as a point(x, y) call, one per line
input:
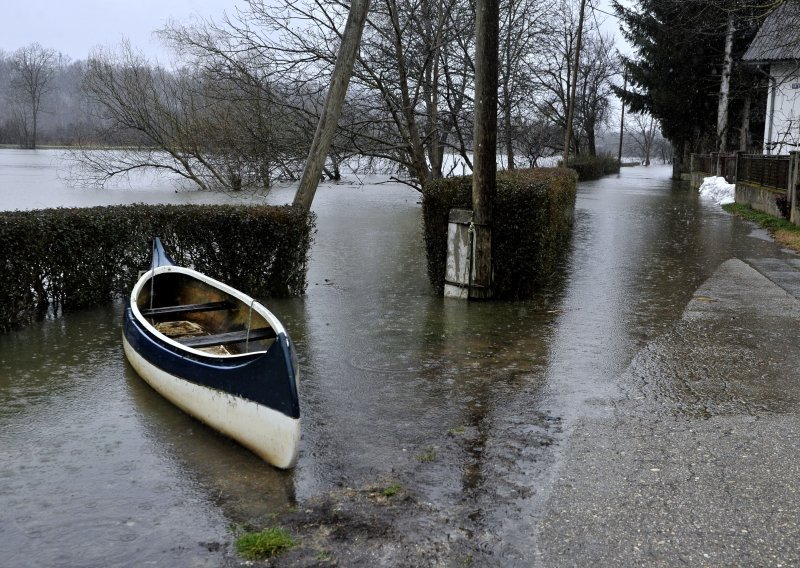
point(766, 171)
point(716, 164)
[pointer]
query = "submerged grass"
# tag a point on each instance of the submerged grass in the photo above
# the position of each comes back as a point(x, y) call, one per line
point(391, 490)
point(428, 455)
point(264, 544)
point(785, 233)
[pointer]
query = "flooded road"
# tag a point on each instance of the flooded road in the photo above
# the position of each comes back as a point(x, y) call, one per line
point(466, 406)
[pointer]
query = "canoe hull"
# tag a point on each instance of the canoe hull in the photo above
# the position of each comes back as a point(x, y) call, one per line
point(217, 354)
point(268, 433)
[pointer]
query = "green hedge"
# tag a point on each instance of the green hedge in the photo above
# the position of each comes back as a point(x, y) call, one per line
point(63, 259)
point(593, 167)
point(533, 212)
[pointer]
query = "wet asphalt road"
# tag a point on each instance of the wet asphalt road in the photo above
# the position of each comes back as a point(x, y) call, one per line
point(705, 473)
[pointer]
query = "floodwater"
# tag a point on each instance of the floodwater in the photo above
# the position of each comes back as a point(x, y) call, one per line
point(463, 403)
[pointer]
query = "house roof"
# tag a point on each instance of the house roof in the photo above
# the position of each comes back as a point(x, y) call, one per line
point(778, 39)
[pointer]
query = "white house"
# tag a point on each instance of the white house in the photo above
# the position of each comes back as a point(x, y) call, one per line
point(775, 51)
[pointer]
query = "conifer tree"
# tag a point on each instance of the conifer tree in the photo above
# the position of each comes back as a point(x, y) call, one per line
point(677, 69)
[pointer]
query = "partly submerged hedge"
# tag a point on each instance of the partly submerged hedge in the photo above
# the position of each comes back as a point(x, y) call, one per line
point(533, 212)
point(62, 259)
point(593, 167)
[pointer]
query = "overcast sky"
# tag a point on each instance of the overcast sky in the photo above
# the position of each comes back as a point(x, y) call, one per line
point(75, 27)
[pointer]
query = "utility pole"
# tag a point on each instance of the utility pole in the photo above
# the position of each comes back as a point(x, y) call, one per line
point(574, 86)
point(484, 171)
point(326, 128)
point(622, 120)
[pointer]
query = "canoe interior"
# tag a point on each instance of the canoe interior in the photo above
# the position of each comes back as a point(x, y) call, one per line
point(184, 307)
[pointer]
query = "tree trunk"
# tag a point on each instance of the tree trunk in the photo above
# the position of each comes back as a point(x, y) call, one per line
point(724, 89)
point(744, 129)
point(343, 69)
point(591, 144)
point(677, 161)
point(487, 31)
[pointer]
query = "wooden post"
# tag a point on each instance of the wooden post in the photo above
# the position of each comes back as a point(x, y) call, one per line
point(326, 128)
point(794, 179)
point(574, 86)
point(622, 120)
point(484, 170)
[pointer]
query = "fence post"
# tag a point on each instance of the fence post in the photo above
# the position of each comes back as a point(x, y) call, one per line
point(736, 166)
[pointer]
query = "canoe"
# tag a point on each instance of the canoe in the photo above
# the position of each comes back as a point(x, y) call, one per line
point(218, 354)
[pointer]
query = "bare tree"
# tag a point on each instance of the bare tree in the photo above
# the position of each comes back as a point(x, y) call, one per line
point(33, 68)
point(553, 68)
point(523, 25)
point(537, 138)
point(643, 130)
point(208, 125)
point(599, 66)
point(348, 49)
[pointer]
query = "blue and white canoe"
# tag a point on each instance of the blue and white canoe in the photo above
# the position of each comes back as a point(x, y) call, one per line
point(217, 354)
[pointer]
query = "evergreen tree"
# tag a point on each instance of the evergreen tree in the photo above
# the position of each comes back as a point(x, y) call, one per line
point(676, 73)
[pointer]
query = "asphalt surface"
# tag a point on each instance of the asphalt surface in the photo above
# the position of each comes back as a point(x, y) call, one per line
point(697, 460)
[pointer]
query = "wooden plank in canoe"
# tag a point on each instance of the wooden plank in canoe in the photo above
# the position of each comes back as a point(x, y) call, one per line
point(228, 338)
point(187, 308)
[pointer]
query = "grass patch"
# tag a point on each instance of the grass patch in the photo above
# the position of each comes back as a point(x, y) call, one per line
point(264, 544)
point(428, 455)
point(785, 233)
point(457, 430)
point(392, 490)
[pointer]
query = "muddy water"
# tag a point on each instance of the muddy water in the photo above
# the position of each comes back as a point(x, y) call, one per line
point(463, 404)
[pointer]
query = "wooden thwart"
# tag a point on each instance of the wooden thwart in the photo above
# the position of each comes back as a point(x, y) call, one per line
point(228, 338)
point(188, 308)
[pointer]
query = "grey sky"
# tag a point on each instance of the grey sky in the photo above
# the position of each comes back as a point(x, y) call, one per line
point(78, 26)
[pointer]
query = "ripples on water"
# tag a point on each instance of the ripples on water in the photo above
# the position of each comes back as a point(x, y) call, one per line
point(97, 469)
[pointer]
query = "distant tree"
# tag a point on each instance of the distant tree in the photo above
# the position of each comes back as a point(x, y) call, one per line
point(209, 125)
point(599, 66)
point(643, 130)
point(537, 138)
point(33, 68)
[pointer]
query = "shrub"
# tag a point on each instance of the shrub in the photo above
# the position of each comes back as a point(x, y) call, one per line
point(62, 259)
point(593, 167)
point(533, 212)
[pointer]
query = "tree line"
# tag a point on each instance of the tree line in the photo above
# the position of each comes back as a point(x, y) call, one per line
point(241, 107)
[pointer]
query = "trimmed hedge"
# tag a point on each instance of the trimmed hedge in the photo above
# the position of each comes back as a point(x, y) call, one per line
point(533, 212)
point(593, 167)
point(64, 259)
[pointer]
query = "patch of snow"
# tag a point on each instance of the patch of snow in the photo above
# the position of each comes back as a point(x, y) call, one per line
point(717, 189)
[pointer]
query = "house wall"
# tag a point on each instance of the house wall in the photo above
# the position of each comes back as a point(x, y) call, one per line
point(782, 132)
